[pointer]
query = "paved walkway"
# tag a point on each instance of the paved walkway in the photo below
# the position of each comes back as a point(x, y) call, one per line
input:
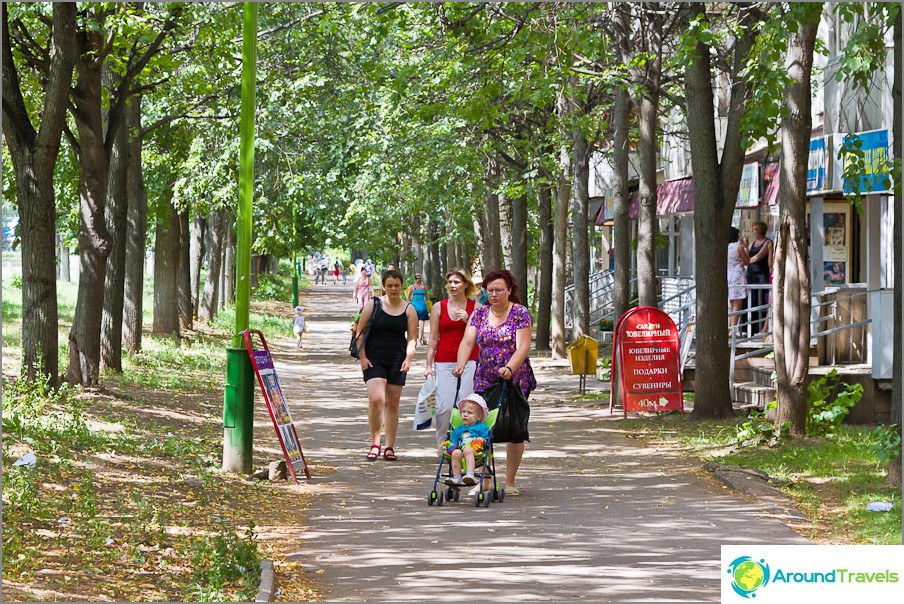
point(602, 517)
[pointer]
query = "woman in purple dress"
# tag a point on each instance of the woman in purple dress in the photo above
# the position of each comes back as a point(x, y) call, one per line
point(502, 330)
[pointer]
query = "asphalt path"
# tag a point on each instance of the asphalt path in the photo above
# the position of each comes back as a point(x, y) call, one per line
point(601, 517)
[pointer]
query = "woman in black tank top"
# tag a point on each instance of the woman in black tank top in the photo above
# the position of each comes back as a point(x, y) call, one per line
point(385, 360)
point(759, 272)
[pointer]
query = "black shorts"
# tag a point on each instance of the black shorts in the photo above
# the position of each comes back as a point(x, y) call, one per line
point(388, 370)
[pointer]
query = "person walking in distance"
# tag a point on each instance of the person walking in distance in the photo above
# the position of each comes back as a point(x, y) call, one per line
point(298, 326)
point(364, 289)
point(448, 321)
point(418, 295)
point(385, 359)
point(502, 330)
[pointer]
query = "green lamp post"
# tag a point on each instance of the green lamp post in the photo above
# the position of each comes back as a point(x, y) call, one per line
point(238, 405)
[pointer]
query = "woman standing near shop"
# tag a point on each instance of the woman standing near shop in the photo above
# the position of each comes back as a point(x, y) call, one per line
point(502, 330)
point(448, 321)
point(385, 360)
point(759, 272)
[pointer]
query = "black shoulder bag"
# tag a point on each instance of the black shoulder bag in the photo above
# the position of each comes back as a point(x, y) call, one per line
point(354, 348)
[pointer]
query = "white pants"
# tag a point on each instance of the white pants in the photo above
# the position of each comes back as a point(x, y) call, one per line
point(445, 393)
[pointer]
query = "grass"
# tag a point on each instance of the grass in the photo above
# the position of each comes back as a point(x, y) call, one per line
point(831, 479)
point(126, 500)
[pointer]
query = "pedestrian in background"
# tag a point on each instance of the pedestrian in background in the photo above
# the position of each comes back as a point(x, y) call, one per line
point(419, 297)
point(759, 272)
point(737, 260)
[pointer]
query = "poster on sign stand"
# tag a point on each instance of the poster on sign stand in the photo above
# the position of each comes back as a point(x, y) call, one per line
point(647, 359)
point(276, 405)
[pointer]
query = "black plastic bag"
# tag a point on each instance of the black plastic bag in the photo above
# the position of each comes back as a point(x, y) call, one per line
point(514, 412)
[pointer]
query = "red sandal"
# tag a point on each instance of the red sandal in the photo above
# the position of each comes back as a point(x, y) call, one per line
point(373, 455)
point(389, 454)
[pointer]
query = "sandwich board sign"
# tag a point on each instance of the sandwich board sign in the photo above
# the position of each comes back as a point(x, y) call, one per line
point(276, 405)
point(647, 352)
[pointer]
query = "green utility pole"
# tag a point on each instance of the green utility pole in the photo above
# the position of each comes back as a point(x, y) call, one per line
point(238, 405)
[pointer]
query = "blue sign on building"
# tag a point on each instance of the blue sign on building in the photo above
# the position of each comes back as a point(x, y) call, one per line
point(874, 177)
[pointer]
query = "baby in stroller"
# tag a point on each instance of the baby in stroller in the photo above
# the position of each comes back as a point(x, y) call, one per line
point(469, 444)
point(468, 440)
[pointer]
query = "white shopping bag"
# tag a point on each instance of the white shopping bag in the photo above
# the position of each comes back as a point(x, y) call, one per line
point(425, 409)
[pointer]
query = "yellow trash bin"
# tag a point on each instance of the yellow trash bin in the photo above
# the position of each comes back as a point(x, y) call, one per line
point(583, 353)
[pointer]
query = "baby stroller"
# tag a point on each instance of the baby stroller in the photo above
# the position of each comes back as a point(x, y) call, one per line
point(484, 465)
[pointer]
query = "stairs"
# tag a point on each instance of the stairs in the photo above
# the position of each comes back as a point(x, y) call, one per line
point(753, 387)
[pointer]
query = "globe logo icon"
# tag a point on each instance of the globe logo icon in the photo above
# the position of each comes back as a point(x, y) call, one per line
point(748, 575)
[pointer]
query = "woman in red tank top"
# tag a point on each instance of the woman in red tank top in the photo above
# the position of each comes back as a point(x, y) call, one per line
point(448, 321)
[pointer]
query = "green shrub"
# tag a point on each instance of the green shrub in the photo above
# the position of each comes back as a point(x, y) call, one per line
point(223, 559)
point(829, 400)
point(272, 287)
point(887, 444)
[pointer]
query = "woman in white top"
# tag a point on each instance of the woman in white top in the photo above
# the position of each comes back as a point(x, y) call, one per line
point(738, 258)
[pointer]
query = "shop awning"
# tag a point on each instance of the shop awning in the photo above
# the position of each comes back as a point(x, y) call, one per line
point(672, 197)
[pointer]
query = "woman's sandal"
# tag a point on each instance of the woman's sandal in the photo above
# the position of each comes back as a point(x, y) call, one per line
point(389, 454)
point(373, 455)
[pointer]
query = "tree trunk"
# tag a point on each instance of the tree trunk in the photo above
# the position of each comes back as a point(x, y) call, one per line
point(136, 237)
point(894, 466)
point(432, 274)
point(560, 253)
point(505, 230)
point(491, 253)
point(229, 259)
point(622, 203)
point(648, 147)
point(208, 306)
point(580, 245)
point(544, 291)
point(519, 244)
point(183, 273)
point(33, 155)
point(791, 301)
point(264, 267)
point(63, 266)
point(196, 254)
point(94, 240)
point(114, 285)
point(166, 263)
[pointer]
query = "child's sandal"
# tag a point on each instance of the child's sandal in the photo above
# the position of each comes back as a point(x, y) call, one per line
point(373, 454)
point(389, 454)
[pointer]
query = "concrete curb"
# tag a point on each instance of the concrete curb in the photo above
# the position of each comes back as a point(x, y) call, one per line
point(268, 580)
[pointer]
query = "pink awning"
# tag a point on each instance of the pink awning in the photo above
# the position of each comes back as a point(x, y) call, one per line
point(671, 197)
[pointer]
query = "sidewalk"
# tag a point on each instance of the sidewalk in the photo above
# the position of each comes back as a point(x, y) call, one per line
point(602, 517)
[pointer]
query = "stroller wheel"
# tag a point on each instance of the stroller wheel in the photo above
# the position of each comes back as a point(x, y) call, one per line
point(487, 498)
point(455, 494)
point(439, 498)
point(450, 494)
point(478, 499)
point(498, 495)
point(431, 498)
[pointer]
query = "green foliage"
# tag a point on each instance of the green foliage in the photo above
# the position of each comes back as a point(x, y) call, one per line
point(757, 430)
point(272, 287)
point(221, 559)
point(887, 445)
point(828, 402)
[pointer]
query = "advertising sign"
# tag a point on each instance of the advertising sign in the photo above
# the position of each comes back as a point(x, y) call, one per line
point(647, 351)
point(818, 164)
point(749, 193)
point(874, 176)
point(276, 405)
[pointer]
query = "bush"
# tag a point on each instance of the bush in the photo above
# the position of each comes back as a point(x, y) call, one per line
point(272, 287)
point(223, 559)
point(829, 400)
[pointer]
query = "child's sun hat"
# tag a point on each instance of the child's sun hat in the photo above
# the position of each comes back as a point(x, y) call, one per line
point(476, 398)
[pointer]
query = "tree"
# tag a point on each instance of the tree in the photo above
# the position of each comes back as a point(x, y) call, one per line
point(34, 153)
point(791, 290)
point(716, 183)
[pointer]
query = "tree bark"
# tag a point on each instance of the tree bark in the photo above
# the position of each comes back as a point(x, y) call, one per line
point(432, 270)
point(63, 266)
point(136, 236)
point(791, 301)
point(94, 240)
point(229, 259)
point(560, 244)
point(166, 263)
point(519, 244)
point(196, 254)
point(183, 273)
point(544, 292)
point(622, 203)
point(33, 154)
point(117, 208)
point(894, 466)
point(648, 151)
point(505, 230)
point(491, 253)
point(208, 305)
point(580, 244)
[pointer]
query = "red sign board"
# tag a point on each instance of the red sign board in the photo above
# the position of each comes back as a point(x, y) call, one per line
point(276, 405)
point(648, 360)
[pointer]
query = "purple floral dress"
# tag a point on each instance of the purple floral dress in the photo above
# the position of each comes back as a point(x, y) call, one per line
point(497, 345)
